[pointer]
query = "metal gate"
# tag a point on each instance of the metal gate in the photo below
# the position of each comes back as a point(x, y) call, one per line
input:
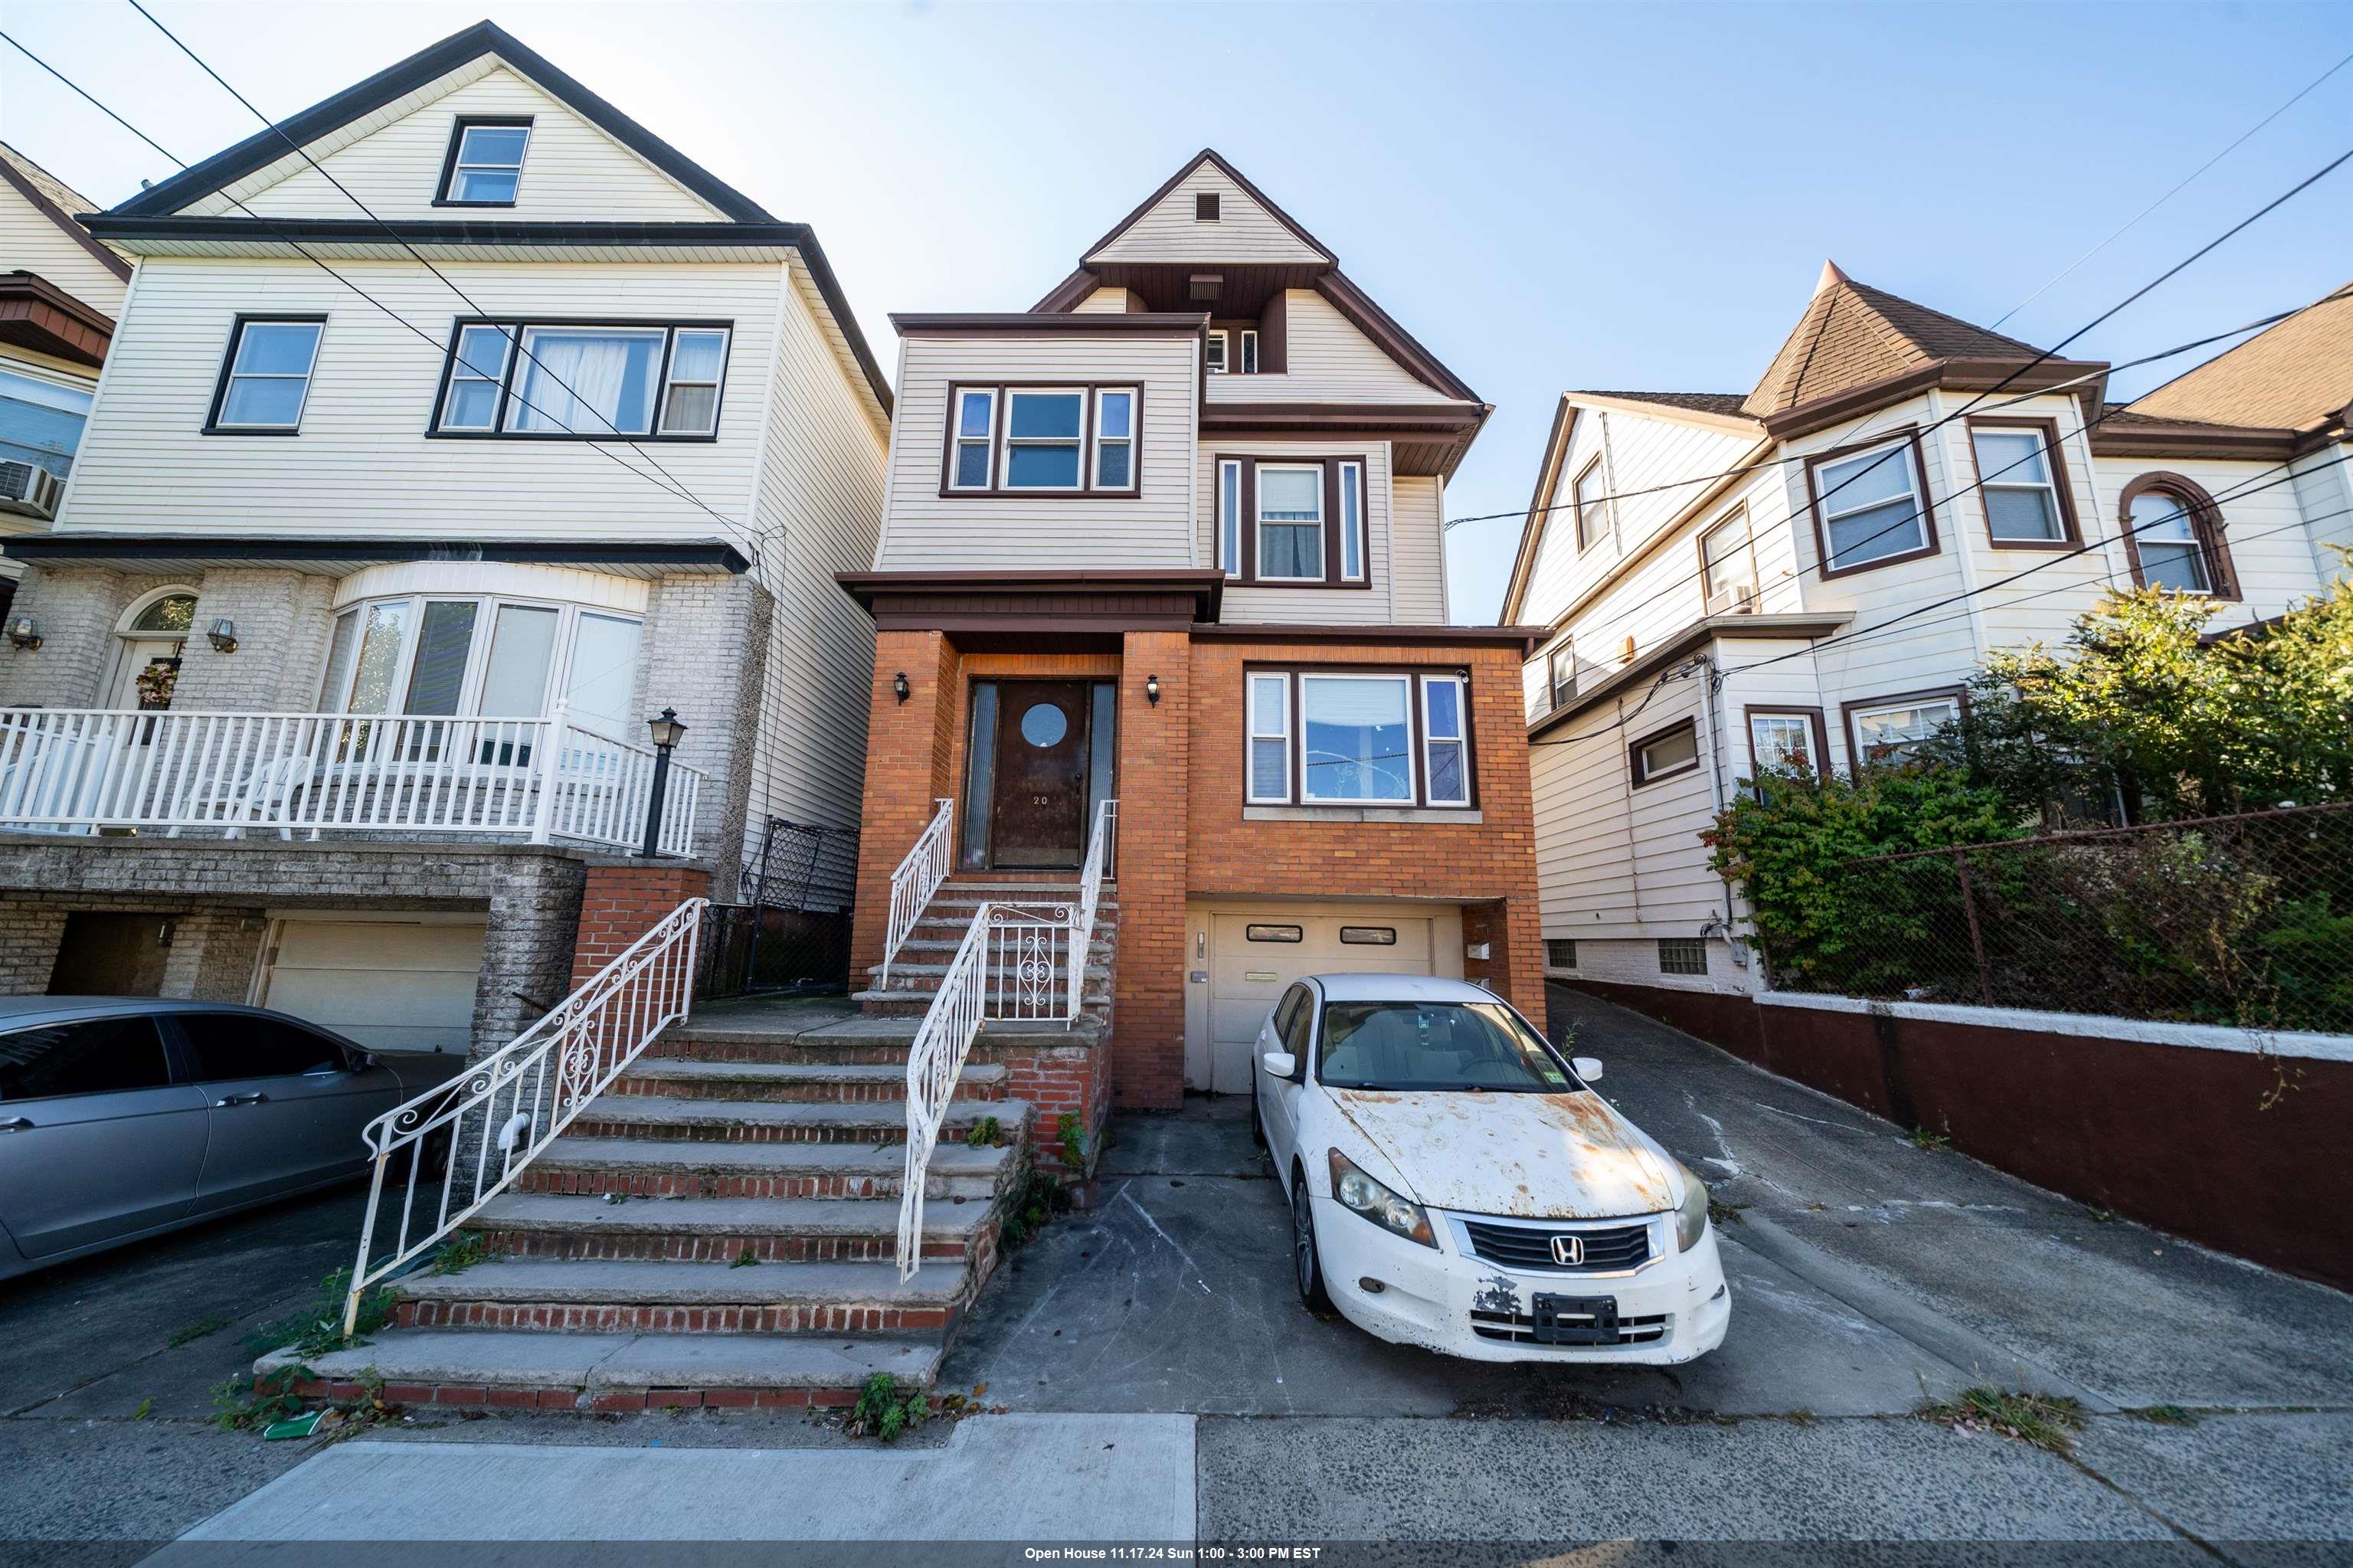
point(789, 929)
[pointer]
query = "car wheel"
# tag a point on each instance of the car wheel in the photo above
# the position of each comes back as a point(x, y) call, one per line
point(1258, 1113)
point(1306, 1263)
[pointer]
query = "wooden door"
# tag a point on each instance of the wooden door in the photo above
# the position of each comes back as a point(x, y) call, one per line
point(1038, 806)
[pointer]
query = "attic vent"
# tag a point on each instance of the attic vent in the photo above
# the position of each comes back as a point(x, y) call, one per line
point(1204, 207)
point(454, 552)
point(1205, 286)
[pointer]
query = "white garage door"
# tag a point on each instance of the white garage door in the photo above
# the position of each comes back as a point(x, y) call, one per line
point(1254, 957)
point(399, 985)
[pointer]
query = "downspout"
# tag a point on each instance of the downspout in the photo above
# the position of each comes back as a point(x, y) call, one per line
point(1714, 676)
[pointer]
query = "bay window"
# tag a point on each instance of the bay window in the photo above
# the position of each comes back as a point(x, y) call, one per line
point(1869, 506)
point(1294, 522)
point(1009, 440)
point(657, 381)
point(1320, 737)
point(2024, 483)
point(441, 655)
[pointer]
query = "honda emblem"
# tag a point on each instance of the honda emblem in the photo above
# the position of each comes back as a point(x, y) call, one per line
point(1568, 1251)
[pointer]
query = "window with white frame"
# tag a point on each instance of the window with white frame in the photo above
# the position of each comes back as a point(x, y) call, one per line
point(1005, 439)
point(1664, 755)
point(1230, 517)
point(1891, 731)
point(1869, 507)
point(1114, 437)
point(1213, 351)
point(466, 656)
point(1730, 565)
point(1560, 671)
point(485, 162)
point(1590, 496)
point(1352, 522)
point(265, 379)
point(1783, 740)
point(41, 420)
point(551, 381)
point(2019, 484)
point(1291, 522)
point(1249, 349)
point(1354, 737)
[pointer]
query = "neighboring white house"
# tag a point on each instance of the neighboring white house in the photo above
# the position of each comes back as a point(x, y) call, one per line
point(458, 489)
point(60, 290)
point(1815, 569)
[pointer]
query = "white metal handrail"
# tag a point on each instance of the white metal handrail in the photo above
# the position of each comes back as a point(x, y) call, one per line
point(516, 1100)
point(1101, 851)
point(918, 877)
point(80, 769)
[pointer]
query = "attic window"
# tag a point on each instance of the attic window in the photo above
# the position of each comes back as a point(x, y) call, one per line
point(484, 167)
point(1204, 207)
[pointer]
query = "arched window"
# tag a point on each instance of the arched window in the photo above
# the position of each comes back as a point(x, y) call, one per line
point(148, 641)
point(173, 614)
point(2173, 537)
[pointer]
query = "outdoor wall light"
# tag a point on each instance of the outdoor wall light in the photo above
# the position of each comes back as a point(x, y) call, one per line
point(222, 635)
point(899, 685)
point(1152, 689)
point(24, 632)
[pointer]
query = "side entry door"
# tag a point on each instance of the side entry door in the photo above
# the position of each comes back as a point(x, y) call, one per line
point(97, 1142)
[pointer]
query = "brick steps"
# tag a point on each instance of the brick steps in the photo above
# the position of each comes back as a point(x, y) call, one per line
point(802, 1083)
point(721, 1230)
point(707, 1120)
point(635, 1167)
point(666, 1297)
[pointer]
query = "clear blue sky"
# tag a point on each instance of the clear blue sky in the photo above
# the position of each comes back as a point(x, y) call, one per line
point(1548, 196)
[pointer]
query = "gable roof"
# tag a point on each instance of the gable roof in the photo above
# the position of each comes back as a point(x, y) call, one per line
point(1724, 404)
point(58, 201)
point(2294, 375)
point(1852, 335)
point(1208, 155)
point(267, 146)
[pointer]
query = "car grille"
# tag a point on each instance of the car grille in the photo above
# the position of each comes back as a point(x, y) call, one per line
point(1612, 1251)
point(1518, 1327)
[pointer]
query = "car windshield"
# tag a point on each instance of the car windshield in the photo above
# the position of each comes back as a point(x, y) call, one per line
point(1436, 1045)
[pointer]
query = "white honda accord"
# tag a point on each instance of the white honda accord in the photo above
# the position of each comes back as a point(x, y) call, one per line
point(1455, 1184)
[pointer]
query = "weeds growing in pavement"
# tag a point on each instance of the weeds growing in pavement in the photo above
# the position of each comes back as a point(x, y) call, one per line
point(462, 1253)
point(1934, 1142)
point(2047, 1420)
point(200, 1328)
point(319, 1328)
point(2167, 1415)
point(882, 1414)
point(1071, 1134)
point(983, 1134)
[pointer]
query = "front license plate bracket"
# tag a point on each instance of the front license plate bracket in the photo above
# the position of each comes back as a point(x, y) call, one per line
point(1575, 1319)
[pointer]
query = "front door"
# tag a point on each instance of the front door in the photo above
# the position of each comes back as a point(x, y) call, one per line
point(1037, 807)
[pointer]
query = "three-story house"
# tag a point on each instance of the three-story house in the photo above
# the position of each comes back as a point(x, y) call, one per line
point(452, 429)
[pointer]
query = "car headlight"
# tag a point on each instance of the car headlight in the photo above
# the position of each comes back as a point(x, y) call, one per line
point(1360, 1195)
point(1690, 1218)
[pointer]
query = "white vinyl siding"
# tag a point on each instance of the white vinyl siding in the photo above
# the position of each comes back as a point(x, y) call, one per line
point(30, 241)
point(1244, 231)
point(1111, 301)
point(392, 160)
point(1325, 360)
point(362, 464)
point(1403, 543)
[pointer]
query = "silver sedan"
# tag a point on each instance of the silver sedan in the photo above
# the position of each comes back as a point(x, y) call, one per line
point(125, 1116)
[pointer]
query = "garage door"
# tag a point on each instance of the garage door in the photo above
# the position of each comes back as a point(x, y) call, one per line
point(1254, 957)
point(399, 985)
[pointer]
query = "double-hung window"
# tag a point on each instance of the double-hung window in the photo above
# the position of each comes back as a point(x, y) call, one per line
point(550, 380)
point(1890, 729)
point(484, 167)
point(1043, 440)
point(1378, 738)
point(2019, 476)
point(1730, 565)
point(1294, 522)
point(1561, 671)
point(2175, 542)
point(1290, 522)
point(1869, 507)
point(1590, 496)
point(265, 381)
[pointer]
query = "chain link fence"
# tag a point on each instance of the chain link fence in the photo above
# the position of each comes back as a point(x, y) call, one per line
point(2243, 920)
point(789, 930)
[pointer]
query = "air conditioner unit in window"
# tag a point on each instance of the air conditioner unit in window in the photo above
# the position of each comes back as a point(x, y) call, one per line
point(29, 490)
point(1733, 601)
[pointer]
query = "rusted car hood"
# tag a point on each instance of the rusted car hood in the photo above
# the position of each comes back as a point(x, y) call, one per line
point(1540, 1156)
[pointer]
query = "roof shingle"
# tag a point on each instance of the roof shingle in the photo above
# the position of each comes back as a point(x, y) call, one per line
point(1852, 335)
point(2293, 376)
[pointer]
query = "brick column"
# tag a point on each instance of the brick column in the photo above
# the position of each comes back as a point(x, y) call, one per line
point(1148, 982)
point(909, 751)
point(621, 901)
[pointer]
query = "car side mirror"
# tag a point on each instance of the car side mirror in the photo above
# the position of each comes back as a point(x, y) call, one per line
point(1281, 1064)
point(1588, 1067)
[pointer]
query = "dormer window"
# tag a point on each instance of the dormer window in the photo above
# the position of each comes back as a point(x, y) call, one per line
point(484, 167)
point(1043, 441)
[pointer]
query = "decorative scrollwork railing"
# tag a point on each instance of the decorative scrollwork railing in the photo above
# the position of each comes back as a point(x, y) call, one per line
point(486, 1125)
point(918, 877)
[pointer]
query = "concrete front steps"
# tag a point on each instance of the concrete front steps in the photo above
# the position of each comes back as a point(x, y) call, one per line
point(718, 1228)
point(922, 959)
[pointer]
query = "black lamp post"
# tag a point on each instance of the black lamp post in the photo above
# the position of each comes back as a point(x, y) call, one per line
point(666, 732)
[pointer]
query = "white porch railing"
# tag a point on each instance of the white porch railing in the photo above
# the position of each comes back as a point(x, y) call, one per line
point(80, 769)
point(515, 1101)
point(1016, 961)
point(918, 877)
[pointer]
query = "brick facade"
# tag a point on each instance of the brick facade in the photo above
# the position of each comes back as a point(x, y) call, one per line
point(621, 900)
point(282, 618)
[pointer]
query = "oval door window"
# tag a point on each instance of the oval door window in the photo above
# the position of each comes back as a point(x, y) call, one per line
point(1044, 725)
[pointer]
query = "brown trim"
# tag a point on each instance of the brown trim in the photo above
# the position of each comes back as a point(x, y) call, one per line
point(1576, 505)
point(1638, 780)
point(1247, 540)
point(1063, 297)
point(1909, 435)
point(1274, 335)
point(1523, 562)
point(1393, 340)
point(1379, 636)
point(1209, 155)
point(63, 219)
point(2223, 443)
point(1683, 644)
point(2205, 521)
point(1854, 758)
point(1007, 601)
point(1401, 419)
point(1822, 757)
point(1079, 324)
point(2051, 452)
point(1000, 426)
point(1415, 677)
point(36, 313)
point(1960, 374)
point(1740, 509)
